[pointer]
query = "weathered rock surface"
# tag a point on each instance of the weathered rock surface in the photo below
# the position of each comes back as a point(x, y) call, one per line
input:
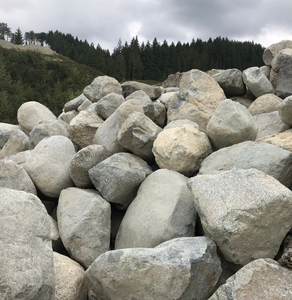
point(27, 270)
point(282, 139)
point(68, 116)
point(169, 98)
point(48, 128)
point(159, 117)
point(137, 135)
point(130, 87)
point(285, 111)
point(118, 177)
point(84, 224)
point(31, 113)
point(84, 160)
point(264, 157)
point(269, 123)
point(230, 124)
point(145, 102)
point(107, 105)
point(163, 210)
point(243, 101)
point(5, 132)
point(102, 86)
point(257, 82)
point(83, 127)
point(246, 212)
point(260, 279)
point(48, 165)
point(106, 134)
point(75, 103)
point(173, 80)
point(179, 123)
point(284, 83)
point(182, 110)
point(265, 104)
point(13, 176)
point(274, 49)
point(69, 279)
point(202, 91)
point(278, 59)
point(183, 268)
point(18, 141)
point(231, 82)
point(181, 149)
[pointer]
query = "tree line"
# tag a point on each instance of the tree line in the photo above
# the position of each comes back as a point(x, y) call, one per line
point(150, 60)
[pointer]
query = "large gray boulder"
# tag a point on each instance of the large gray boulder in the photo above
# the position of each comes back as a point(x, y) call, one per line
point(18, 141)
point(145, 102)
point(27, 269)
point(159, 113)
point(48, 165)
point(183, 268)
point(284, 83)
point(230, 124)
point(278, 59)
point(260, 279)
point(69, 279)
point(231, 82)
point(168, 99)
point(106, 134)
point(182, 110)
point(75, 103)
point(163, 210)
point(264, 157)
point(48, 128)
point(201, 90)
point(5, 132)
point(32, 113)
point(274, 49)
point(84, 160)
point(108, 104)
point(181, 149)
point(118, 177)
point(246, 212)
point(256, 81)
point(265, 104)
point(83, 127)
point(102, 86)
point(285, 110)
point(269, 123)
point(130, 87)
point(84, 224)
point(13, 176)
point(137, 134)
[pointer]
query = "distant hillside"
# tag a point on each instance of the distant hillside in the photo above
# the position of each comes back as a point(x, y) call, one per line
point(38, 74)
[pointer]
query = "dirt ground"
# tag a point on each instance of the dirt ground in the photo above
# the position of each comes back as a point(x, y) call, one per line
point(44, 50)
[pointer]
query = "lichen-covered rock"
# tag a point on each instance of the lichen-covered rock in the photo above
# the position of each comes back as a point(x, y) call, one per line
point(163, 210)
point(183, 268)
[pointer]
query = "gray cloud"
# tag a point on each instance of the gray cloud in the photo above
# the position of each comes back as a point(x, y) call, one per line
point(104, 22)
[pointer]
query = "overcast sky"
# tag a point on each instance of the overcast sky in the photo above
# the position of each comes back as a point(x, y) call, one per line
point(105, 21)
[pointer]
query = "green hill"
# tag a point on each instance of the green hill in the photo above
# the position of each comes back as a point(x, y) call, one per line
point(35, 75)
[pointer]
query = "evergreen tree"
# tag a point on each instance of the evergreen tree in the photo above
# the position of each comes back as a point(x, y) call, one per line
point(17, 38)
point(4, 31)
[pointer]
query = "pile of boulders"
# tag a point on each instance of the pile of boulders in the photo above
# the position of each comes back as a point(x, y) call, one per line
point(143, 192)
